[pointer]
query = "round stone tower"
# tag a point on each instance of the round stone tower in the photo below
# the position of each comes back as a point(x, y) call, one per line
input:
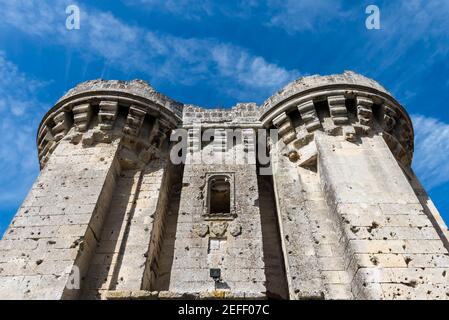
point(355, 222)
point(87, 223)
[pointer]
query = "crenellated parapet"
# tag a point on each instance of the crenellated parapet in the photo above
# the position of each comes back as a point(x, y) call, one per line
point(347, 105)
point(130, 113)
point(137, 88)
point(240, 115)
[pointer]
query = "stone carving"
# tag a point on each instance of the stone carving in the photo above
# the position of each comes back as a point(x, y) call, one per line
point(218, 229)
point(235, 229)
point(134, 121)
point(338, 111)
point(159, 133)
point(349, 133)
point(107, 114)
point(389, 118)
point(309, 115)
point(62, 125)
point(285, 127)
point(81, 115)
point(364, 111)
point(293, 156)
point(201, 229)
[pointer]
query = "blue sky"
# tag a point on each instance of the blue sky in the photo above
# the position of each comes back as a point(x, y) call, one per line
point(217, 53)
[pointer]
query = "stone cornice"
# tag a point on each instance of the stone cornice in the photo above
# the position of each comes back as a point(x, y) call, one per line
point(136, 87)
point(95, 105)
point(373, 112)
point(321, 93)
point(303, 84)
point(139, 125)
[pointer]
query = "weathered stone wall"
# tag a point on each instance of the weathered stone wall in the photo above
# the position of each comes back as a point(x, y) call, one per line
point(92, 222)
point(129, 242)
point(239, 115)
point(343, 179)
point(232, 243)
point(58, 224)
point(276, 283)
point(295, 223)
point(392, 247)
point(429, 208)
point(342, 217)
point(166, 254)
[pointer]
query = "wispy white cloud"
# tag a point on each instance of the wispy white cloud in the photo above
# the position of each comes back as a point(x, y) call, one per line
point(290, 15)
point(296, 16)
point(415, 20)
point(188, 9)
point(431, 157)
point(163, 57)
point(18, 123)
point(197, 10)
point(406, 25)
point(403, 23)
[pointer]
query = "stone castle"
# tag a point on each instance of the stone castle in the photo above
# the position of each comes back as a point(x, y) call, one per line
point(336, 212)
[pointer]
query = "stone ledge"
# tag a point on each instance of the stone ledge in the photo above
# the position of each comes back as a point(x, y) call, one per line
point(169, 295)
point(316, 81)
point(136, 87)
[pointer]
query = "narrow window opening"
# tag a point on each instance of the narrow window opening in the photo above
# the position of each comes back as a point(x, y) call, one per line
point(220, 196)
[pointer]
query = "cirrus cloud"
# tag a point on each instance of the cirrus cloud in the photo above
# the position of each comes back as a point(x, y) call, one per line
point(161, 56)
point(431, 157)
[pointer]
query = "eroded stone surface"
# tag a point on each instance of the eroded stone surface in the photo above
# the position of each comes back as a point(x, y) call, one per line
point(338, 214)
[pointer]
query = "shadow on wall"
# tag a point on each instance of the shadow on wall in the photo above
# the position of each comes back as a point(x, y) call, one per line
point(272, 250)
point(166, 256)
